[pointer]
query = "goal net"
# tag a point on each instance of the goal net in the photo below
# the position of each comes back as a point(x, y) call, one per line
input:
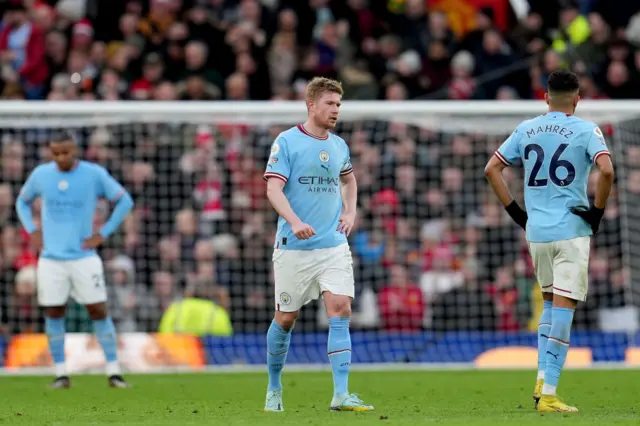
point(442, 274)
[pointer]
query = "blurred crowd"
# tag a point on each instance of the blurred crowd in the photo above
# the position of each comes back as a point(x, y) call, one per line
point(432, 250)
point(268, 49)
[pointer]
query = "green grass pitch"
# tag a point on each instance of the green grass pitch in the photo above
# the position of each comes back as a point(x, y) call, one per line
point(401, 398)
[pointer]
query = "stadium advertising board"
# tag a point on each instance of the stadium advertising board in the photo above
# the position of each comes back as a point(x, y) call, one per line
point(138, 352)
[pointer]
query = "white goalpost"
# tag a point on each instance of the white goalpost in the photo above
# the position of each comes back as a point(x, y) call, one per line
point(435, 113)
point(443, 277)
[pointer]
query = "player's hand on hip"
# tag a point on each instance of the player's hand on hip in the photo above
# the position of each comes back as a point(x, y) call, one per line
point(302, 231)
point(592, 216)
point(93, 242)
point(36, 240)
point(346, 223)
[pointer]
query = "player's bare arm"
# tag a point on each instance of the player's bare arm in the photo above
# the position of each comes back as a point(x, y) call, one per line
point(35, 239)
point(605, 180)
point(281, 205)
point(349, 202)
point(93, 242)
point(493, 171)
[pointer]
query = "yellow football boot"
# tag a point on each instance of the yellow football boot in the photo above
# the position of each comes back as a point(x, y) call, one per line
point(537, 391)
point(552, 404)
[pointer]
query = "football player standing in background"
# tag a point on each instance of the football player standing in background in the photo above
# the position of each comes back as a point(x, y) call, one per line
point(69, 264)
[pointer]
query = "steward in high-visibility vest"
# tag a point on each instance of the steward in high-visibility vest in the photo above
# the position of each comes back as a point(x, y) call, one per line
point(199, 317)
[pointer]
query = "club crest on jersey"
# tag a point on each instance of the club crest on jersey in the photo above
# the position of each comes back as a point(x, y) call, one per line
point(324, 156)
point(285, 299)
point(599, 134)
point(63, 185)
point(275, 148)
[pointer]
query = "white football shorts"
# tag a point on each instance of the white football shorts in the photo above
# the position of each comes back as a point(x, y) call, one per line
point(562, 267)
point(82, 279)
point(303, 275)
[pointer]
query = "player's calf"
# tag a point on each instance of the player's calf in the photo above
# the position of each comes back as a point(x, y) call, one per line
point(55, 330)
point(278, 340)
point(339, 351)
point(107, 337)
point(558, 343)
point(544, 329)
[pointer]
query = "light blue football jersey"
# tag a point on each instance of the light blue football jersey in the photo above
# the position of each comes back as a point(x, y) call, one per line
point(69, 201)
point(311, 168)
point(557, 151)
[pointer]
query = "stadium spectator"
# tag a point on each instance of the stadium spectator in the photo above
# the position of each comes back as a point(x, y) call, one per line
point(574, 28)
point(619, 83)
point(237, 87)
point(401, 302)
point(22, 52)
point(278, 43)
point(125, 294)
point(164, 292)
point(466, 308)
point(44, 16)
point(462, 84)
point(505, 299)
point(7, 211)
point(169, 255)
point(196, 64)
point(24, 313)
point(12, 163)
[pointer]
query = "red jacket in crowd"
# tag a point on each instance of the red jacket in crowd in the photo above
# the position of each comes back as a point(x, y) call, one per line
point(35, 70)
point(401, 308)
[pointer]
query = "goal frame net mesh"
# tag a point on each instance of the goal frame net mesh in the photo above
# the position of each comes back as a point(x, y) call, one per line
point(442, 274)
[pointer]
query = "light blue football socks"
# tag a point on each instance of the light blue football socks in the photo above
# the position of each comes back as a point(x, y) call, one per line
point(278, 340)
point(106, 334)
point(339, 350)
point(55, 330)
point(557, 348)
point(544, 328)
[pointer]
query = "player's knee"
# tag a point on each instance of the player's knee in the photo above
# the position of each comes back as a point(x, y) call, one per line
point(564, 302)
point(339, 307)
point(286, 319)
point(55, 311)
point(343, 310)
point(97, 311)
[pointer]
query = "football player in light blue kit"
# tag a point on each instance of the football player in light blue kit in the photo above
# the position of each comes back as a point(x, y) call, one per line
point(68, 265)
point(558, 151)
point(311, 185)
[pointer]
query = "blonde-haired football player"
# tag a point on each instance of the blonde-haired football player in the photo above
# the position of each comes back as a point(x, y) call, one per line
point(310, 183)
